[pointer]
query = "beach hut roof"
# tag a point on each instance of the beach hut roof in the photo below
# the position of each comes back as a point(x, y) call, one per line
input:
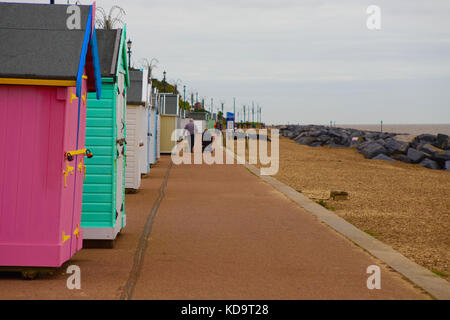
point(112, 53)
point(37, 44)
point(137, 93)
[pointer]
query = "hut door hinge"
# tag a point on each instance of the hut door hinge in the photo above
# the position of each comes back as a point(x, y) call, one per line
point(72, 95)
point(65, 237)
point(77, 232)
point(82, 168)
point(66, 172)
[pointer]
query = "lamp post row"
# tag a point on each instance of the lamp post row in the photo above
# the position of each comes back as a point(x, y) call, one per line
point(258, 108)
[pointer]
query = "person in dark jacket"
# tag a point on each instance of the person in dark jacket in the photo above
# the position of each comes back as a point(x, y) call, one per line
point(206, 140)
point(190, 128)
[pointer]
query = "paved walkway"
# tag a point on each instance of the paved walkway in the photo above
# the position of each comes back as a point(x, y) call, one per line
point(222, 233)
point(219, 233)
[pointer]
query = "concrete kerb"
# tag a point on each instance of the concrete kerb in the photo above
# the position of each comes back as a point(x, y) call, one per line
point(420, 276)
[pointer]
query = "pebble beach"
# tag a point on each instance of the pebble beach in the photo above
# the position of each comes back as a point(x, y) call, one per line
point(403, 205)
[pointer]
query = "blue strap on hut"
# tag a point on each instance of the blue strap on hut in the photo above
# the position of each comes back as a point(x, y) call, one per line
point(90, 39)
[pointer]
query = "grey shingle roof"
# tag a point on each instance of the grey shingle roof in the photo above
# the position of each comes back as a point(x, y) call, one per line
point(35, 41)
point(40, 54)
point(38, 16)
point(134, 94)
point(108, 50)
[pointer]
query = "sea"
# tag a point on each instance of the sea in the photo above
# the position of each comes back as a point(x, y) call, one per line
point(406, 131)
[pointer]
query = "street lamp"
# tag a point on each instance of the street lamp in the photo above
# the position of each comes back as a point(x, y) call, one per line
point(129, 43)
point(184, 96)
point(164, 81)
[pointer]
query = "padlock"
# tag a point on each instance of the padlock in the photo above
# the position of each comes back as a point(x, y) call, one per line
point(89, 154)
point(69, 157)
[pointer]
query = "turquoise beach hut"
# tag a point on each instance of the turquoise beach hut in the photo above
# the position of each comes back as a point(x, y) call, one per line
point(103, 211)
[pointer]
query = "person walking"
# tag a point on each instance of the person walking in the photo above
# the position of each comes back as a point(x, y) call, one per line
point(191, 129)
point(206, 140)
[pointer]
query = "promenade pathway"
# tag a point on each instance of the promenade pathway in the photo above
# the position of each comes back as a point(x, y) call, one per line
point(217, 232)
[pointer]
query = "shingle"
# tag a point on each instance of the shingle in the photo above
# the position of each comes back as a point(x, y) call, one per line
point(38, 16)
point(40, 53)
point(36, 42)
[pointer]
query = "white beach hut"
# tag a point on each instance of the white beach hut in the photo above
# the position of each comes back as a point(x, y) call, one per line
point(136, 127)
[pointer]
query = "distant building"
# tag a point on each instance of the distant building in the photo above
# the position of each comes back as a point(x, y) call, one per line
point(198, 115)
point(198, 106)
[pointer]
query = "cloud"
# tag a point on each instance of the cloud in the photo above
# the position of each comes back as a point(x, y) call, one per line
point(253, 49)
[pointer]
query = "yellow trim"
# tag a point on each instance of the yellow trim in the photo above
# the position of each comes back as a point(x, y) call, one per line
point(85, 77)
point(84, 98)
point(38, 82)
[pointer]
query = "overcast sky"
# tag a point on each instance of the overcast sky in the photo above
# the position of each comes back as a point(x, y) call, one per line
point(306, 61)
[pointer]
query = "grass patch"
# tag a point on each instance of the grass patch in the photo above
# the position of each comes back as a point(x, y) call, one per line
point(325, 205)
point(370, 233)
point(439, 273)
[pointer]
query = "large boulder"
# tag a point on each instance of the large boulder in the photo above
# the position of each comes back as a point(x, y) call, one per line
point(301, 135)
point(430, 149)
point(373, 149)
point(289, 134)
point(401, 157)
point(373, 135)
point(430, 164)
point(447, 165)
point(334, 145)
point(381, 142)
point(442, 141)
point(324, 138)
point(443, 156)
point(316, 133)
point(414, 155)
point(383, 157)
point(426, 138)
point(334, 133)
point(316, 144)
point(363, 145)
point(395, 146)
point(306, 140)
point(404, 148)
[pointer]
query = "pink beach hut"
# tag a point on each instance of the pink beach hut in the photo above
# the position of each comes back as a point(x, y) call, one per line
point(46, 71)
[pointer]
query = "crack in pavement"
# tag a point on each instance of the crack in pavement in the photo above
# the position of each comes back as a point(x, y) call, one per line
point(128, 289)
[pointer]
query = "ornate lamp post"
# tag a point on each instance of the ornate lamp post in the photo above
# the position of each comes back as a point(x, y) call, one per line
point(164, 81)
point(129, 43)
